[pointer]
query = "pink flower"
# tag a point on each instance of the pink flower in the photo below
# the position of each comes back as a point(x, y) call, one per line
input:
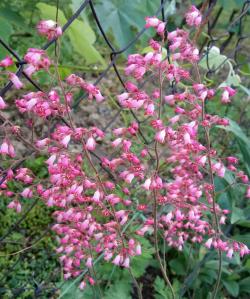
point(3, 105)
point(27, 193)
point(65, 141)
point(138, 249)
point(49, 29)
point(209, 243)
point(230, 253)
point(36, 59)
point(117, 260)
point(248, 192)
point(82, 285)
point(7, 149)
point(193, 17)
point(126, 262)
point(147, 184)
point(90, 144)
point(15, 204)
point(42, 143)
point(152, 22)
point(227, 93)
point(15, 80)
point(89, 262)
point(7, 61)
point(160, 136)
point(161, 28)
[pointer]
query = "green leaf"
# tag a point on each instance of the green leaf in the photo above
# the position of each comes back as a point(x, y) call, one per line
point(242, 140)
point(161, 289)
point(120, 289)
point(178, 266)
point(81, 35)
point(214, 58)
point(245, 285)
point(237, 214)
point(123, 17)
point(232, 287)
point(5, 29)
point(75, 293)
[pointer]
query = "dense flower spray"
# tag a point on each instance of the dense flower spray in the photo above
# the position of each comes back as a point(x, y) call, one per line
point(174, 175)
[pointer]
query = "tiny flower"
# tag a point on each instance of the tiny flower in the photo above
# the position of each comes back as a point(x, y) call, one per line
point(89, 262)
point(7, 61)
point(65, 141)
point(27, 193)
point(126, 262)
point(248, 192)
point(91, 144)
point(49, 29)
point(147, 184)
point(160, 136)
point(152, 22)
point(209, 242)
point(15, 80)
point(15, 205)
point(230, 253)
point(117, 260)
point(193, 16)
point(82, 285)
point(138, 249)
point(3, 105)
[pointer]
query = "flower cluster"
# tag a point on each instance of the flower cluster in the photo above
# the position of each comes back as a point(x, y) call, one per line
point(95, 197)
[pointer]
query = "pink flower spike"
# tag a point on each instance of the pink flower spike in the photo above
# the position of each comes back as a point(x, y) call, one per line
point(15, 80)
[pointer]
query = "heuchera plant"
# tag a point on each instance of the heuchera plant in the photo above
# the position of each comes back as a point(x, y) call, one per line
point(170, 180)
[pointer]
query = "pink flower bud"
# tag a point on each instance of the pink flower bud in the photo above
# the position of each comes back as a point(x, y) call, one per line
point(3, 105)
point(90, 144)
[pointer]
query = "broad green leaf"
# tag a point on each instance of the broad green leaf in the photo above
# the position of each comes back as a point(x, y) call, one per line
point(242, 140)
point(178, 266)
point(160, 289)
point(5, 29)
point(80, 34)
point(245, 285)
point(237, 214)
point(245, 89)
point(120, 289)
point(122, 17)
point(214, 58)
point(232, 287)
